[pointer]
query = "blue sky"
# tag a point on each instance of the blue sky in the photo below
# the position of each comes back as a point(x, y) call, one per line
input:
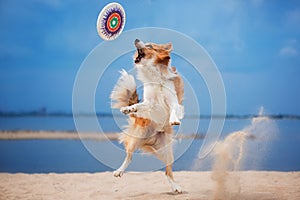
point(254, 43)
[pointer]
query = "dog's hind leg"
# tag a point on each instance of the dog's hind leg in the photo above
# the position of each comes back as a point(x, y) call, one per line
point(166, 155)
point(169, 173)
point(119, 172)
point(130, 148)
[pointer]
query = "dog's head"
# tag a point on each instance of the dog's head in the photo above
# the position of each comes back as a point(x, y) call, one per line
point(159, 54)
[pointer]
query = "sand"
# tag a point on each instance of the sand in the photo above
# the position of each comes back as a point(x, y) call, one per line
point(146, 185)
point(57, 135)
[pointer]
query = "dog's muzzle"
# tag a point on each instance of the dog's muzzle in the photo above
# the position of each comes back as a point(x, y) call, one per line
point(139, 46)
point(141, 55)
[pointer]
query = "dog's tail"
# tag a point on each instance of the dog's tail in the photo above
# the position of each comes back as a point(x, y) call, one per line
point(124, 92)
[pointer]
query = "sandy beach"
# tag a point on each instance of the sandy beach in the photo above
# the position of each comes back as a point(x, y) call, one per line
point(57, 135)
point(147, 185)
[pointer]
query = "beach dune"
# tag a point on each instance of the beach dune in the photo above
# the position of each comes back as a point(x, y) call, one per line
point(147, 185)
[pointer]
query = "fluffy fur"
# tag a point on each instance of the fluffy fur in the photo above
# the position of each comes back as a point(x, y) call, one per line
point(150, 121)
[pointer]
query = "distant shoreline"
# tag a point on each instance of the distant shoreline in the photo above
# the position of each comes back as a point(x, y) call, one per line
point(109, 115)
point(65, 135)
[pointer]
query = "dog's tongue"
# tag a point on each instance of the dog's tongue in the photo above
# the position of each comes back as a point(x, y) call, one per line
point(137, 60)
point(141, 54)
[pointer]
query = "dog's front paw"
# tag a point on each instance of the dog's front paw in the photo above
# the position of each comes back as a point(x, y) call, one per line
point(128, 109)
point(174, 119)
point(175, 123)
point(118, 173)
point(124, 110)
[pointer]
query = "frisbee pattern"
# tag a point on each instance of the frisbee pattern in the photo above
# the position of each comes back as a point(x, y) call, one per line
point(111, 21)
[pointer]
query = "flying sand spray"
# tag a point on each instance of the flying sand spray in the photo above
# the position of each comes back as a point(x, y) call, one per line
point(240, 150)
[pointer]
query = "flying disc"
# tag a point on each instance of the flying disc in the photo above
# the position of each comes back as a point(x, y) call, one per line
point(111, 21)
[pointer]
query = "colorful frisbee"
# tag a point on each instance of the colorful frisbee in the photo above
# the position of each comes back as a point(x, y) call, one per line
point(111, 21)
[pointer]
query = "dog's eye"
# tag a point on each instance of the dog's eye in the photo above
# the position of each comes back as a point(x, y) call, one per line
point(149, 46)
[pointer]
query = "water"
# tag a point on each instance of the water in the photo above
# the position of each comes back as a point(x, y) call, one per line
point(35, 156)
point(52, 123)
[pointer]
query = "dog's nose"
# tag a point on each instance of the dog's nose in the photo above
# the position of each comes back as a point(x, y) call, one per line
point(139, 44)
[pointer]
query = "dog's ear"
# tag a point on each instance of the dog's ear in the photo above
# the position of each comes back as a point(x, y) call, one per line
point(168, 47)
point(163, 59)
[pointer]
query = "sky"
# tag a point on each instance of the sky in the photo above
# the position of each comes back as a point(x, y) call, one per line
point(254, 43)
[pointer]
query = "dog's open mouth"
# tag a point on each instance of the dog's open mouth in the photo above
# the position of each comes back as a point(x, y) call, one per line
point(141, 55)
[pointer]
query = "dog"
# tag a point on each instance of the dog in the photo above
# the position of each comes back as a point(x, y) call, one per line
point(150, 121)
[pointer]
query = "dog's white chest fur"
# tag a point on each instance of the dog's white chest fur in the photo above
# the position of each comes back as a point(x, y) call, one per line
point(157, 86)
point(159, 98)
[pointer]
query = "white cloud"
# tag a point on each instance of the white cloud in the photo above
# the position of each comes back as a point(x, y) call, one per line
point(288, 51)
point(289, 48)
